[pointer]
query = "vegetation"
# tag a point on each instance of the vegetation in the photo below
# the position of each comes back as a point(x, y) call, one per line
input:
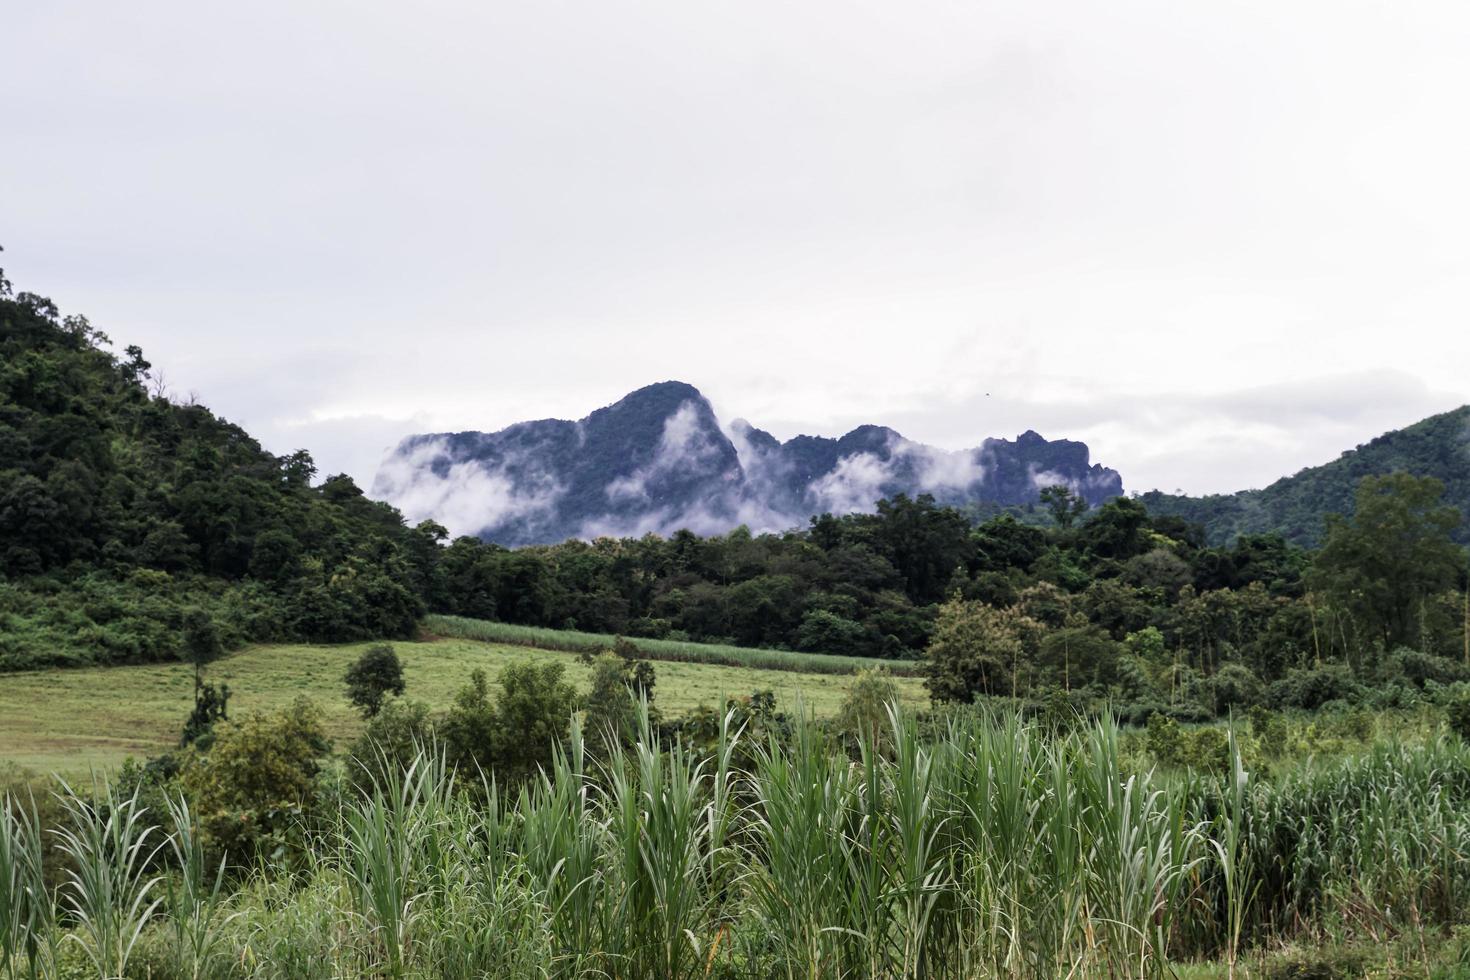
point(675, 651)
point(1296, 506)
point(80, 719)
point(978, 846)
point(751, 799)
point(140, 529)
point(376, 675)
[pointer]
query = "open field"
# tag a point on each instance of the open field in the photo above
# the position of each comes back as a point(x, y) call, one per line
point(663, 650)
point(71, 720)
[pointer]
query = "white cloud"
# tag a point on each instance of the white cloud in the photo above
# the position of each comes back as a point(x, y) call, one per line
point(685, 443)
point(470, 496)
point(854, 484)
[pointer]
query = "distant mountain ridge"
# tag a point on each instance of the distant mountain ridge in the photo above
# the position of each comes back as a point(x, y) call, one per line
point(658, 460)
point(1296, 506)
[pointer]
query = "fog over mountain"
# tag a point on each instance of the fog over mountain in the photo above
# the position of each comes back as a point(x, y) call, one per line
point(659, 460)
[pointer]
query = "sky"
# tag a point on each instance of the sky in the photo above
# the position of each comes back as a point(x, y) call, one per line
point(1217, 242)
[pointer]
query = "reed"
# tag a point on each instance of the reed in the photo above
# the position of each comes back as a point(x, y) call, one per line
point(26, 903)
point(110, 893)
point(985, 847)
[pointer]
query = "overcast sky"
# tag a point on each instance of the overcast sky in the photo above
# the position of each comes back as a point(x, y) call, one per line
point(1217, 242)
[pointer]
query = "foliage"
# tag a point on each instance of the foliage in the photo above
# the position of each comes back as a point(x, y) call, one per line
point(257, 786)
point(865, 711)
point(1385, 562)
point(620, 682)
point(1295, 507)
point(518, 732)
point(978, 649)
point(1459, 714)
point(979, 846)
point(211, 704)
point(136, 528)
point(375, 675)
point(393, 738)
point(130, 520)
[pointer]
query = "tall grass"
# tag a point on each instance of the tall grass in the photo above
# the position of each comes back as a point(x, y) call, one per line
point(26, 903)
point(194, 894)
point(989, 847)
point(674, 650)
point(110, 892)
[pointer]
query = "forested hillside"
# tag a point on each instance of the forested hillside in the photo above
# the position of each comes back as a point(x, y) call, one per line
point(1296, 506)
point(120, 508)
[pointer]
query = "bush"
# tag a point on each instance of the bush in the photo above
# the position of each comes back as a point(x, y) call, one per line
point(516, 734)
point(257, 784)
point(864, 710)
point(1236, 686)
point(610, 709)
point(391, 741)
point(825, 631)
point(1421, 669)
point(1314, 687)
point(1459, 714)
point(1203, 749)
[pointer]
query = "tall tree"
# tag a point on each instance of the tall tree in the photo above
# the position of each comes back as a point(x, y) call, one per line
point(1382, 564)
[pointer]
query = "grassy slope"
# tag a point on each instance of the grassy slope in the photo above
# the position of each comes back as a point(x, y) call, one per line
point(70, 720)
point(573, 641)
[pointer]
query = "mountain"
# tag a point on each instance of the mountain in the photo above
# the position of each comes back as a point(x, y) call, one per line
point(1296, 506)
point(659, 460)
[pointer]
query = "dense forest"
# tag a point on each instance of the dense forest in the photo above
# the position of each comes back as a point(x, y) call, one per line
point(124, 513)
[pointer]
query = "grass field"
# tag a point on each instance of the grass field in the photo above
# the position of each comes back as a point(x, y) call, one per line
point(71, 720)
point(685, 651)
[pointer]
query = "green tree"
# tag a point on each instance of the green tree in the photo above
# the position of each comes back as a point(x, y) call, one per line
point(533, 715)
point(610, 708)
point(1065, 505)
point(468, 730)
point(202, 644)
point(375, 675)
point(516, 733)
point(1386, 561)
point(390, 742)
point(258, 783)
point(211, 704)
point(978, 649)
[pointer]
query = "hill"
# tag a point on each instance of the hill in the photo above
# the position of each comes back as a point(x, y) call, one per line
point(121, 508)
point(659, 460)
point(1296, 506)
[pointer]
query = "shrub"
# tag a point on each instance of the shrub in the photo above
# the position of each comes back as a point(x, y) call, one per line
point(1236, 686)
point(211, 704)
point(610, 708)
point(390, 742)
point(258, 781)
point(1313, 687)
point(826, 631)
point(1459, 714)
point(1203, 749)
point(517, 733)
point(864, 710)
point(1420, 669)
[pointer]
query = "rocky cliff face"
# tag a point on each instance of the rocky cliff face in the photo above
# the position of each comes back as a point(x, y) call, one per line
point(659, 460)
